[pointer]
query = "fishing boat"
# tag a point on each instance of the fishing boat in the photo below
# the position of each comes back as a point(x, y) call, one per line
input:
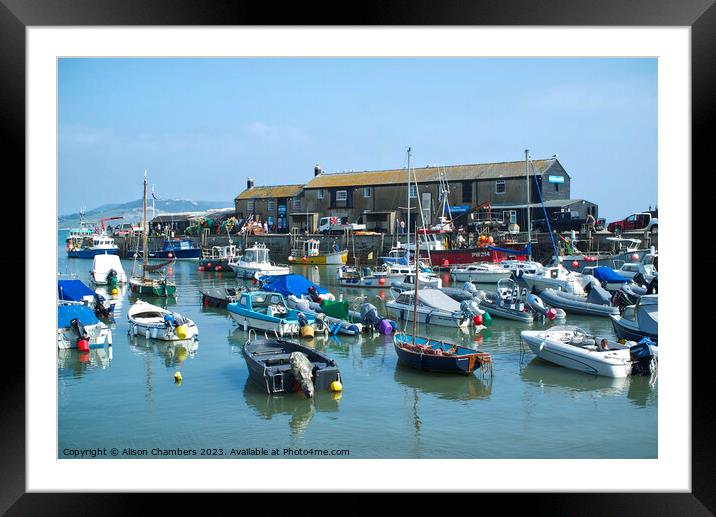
point(155, 322)
point(78, 327)
point(255, 263)
point(89, 247)
point(265, 310)
point(218, 257)
point(220, 296)
point(143, 284)
point(432, 355)
point(177, 249)
point(107, 270)
point(596, 303)
point(275, 366)
point(572, 347)
point(639, 321)
point(623, 250)
point(647, 267)
point(307, 251)
point(480, 273)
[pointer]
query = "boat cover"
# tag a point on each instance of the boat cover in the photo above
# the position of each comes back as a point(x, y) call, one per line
point(66, 313)
point(73, 290)
point(291, 284)
point(607, 274)
point(438, 300)
point(647, 314)
point(103, 263)
point(335, 309)
point(524, 251)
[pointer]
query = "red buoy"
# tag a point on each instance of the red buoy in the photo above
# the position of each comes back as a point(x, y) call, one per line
point(635, 257)
point(575, 263)
point(201, 268)
point(551, 314)
point(477, 320)
point(83, 345)
point(169, 254)
point(208, 264)
point(446, 262)
point(381, 281)
point(218, 268)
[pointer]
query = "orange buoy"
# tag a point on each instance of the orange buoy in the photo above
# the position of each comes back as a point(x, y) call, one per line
point(381, 281)
point(83, 345)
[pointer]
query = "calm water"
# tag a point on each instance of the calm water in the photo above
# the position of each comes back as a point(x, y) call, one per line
point(125, 396)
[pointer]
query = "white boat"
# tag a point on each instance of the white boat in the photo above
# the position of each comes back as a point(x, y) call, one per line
point(78, 327)
point(640, 320)
point(155, 322)
point(647, 267)
point(426, 280)
point(555, 277)
point(351, 276)
point(434, 308)
point(521, 266)
point(107, 270)
point(483, 273)
point(255, 263)
point(571, 347)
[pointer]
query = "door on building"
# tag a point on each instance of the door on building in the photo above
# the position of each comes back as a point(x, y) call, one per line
point(282, 224)
point(427, 208)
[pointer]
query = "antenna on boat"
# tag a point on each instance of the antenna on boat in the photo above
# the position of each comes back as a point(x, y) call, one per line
point(527, 206)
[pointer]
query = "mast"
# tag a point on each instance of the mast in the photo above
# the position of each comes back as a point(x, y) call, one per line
point(144, 228)
point(415, 296)
point(407, 246)
point(153, 214)
point(529, 219)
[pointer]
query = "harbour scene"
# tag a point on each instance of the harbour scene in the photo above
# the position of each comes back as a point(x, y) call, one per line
point(377, 314)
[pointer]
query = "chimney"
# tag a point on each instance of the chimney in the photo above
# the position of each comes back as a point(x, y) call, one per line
point(249, 183)
point(317, 170)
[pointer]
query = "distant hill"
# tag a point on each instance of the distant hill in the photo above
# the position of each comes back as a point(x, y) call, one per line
point(132, 211)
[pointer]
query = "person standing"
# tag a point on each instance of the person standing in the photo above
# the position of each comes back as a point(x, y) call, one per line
point(402, 226)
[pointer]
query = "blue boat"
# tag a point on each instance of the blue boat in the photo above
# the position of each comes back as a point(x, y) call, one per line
point(89, 247)
point(76, 292)
point(175, 249)
point(438, 356)
point(78, 327)
point(267, 311)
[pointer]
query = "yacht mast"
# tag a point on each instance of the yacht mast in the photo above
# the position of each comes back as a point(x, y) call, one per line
point(407, 246)
point(144, 228)
point(529, 219)
point(415, 296)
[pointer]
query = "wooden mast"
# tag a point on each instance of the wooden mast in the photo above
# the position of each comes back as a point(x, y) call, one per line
point(415, 297)
point(144, 229)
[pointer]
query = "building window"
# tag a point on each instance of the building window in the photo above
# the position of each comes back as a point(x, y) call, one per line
point(297, 203)
point(341, 195)
point(467, 191)
point(413, 191)
point(271, 205)
point(500, 187)
point(251, 205)
point(367, 192)
point(320, 194)
point(556, 187)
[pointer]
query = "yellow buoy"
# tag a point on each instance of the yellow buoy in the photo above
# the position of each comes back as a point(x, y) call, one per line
point(336, 386)
point(336, 395)
point(114, 291)
point(177, 377)
point(306, 331)
point(181, 331)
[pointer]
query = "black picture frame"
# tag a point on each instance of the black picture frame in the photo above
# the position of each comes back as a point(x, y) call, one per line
point(700, 15)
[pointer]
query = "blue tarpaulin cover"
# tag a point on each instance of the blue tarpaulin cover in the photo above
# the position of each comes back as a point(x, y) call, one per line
point(523, 251)
point(73, 290)
point(66, 313)
point(604, 273)
point(289, 284)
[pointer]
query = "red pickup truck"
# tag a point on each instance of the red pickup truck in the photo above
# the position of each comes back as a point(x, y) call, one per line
point(644, 221)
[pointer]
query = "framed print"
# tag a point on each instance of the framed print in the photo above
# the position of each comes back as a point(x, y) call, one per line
point(305, 250)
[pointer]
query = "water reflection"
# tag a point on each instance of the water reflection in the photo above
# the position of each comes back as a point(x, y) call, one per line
point(298, 407)
point(547, 375)
point(173, 352)
point(76, 363)
point(444, 386)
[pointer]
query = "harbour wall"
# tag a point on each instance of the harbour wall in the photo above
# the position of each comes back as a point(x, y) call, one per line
point(361, 246)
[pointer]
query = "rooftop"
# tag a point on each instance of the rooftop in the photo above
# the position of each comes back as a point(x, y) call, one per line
point(270, 192)
point(476, 171)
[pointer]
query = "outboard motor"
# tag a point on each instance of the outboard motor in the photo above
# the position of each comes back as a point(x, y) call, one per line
point(470, 288)
point(643, 357)
point(101, 309)
point(639, 280)
point(82, 335)
point(313, 293)
point(653, 287)
point(302, 320)
point(111, 278)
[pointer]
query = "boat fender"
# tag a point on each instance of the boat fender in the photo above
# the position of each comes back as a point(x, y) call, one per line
point(83, 345)
point(384, 327)
point(336, 386)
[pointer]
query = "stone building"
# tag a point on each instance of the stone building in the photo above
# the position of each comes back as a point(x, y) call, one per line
point(274, 205)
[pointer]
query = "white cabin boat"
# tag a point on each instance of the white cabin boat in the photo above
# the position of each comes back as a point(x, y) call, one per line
point(483, 273)
point(107, 270)
point(555, 277)
point(155, 322)
point(255, 263)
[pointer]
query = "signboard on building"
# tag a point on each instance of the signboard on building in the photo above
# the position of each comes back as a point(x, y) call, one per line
point(555, 179)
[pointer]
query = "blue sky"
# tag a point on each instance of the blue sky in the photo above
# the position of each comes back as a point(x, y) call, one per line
point(201, 126)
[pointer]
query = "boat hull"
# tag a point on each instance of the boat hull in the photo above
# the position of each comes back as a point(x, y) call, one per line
point(87, 253)
point(161, 290)
point(428, 317)
point(192, 254)
point(100, 336)
point(468, 256)
point(574, 359)
point(250, 272)
point(219, 265)
point(330, 259)
point(463, 364)
point(567, 303)
point(630, 332)
point(247, 321)
point(479, 277)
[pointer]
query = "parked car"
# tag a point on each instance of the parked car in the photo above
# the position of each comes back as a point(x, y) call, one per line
point(645, 221)
point(337, 224)
point(567, 221)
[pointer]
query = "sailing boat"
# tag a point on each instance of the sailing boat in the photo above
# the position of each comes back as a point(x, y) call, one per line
point(144, 284)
